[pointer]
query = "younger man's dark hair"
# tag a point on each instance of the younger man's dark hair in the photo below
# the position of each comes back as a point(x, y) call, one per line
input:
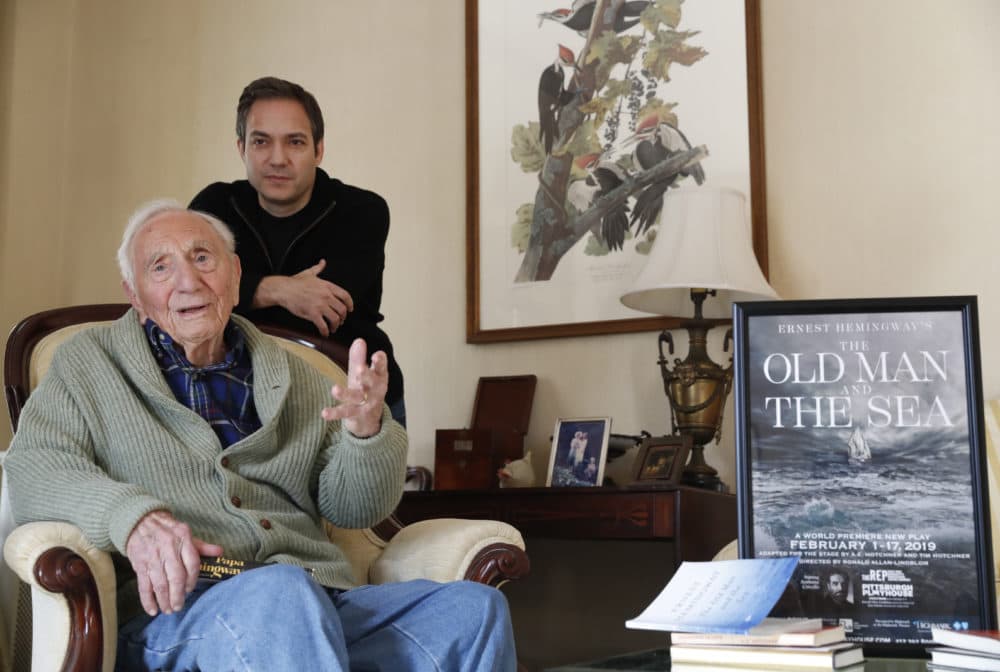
point(271, 87)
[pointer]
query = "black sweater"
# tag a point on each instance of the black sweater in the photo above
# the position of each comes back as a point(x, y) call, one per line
point(347, 226)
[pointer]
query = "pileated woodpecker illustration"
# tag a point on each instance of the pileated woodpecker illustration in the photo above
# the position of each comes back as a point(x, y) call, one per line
point(657, 141)
point(552, 95)
point(604, 176)
point(581, 14)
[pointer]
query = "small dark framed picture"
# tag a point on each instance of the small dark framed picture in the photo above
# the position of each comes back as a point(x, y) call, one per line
point(579, 450)
point(661, 460)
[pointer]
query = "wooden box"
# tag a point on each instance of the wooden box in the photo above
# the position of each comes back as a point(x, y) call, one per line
point(469, 458)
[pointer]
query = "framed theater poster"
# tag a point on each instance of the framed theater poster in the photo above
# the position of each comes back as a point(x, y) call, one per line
point(860, 449)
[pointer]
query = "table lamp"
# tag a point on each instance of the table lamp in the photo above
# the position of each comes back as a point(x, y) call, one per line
point(702, 254)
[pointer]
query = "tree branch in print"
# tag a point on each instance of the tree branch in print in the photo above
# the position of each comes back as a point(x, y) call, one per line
point(612, 190)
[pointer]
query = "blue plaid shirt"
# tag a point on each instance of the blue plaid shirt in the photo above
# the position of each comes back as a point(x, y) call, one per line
point(220, 393)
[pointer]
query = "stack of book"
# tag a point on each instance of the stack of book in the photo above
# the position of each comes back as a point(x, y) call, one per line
point(717, 612)
point(965, 650)
point(785, 644)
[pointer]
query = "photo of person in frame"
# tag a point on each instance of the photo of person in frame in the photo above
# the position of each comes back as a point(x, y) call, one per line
point(659, 463)
point(837, 598)
point(578, 453)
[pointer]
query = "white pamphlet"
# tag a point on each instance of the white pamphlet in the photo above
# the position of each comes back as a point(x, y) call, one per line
point(730, 596)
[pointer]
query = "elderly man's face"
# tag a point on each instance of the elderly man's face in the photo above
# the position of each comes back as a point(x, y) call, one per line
point(186, 281)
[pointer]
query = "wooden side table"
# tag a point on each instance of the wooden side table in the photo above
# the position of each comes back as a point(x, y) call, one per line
point(699, 522)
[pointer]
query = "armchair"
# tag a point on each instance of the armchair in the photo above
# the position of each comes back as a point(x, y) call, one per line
point(67, 598)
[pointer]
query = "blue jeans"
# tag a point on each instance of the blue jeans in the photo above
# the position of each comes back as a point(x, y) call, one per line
point(277, 619)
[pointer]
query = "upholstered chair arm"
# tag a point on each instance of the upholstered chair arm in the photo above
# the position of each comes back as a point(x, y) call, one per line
point(730, 551)
point(72, 593)
point(449, 549)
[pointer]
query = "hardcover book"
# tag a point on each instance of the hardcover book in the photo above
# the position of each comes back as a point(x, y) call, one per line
point(965, 660)
point(816, 636)
point(709, 667)
point(221, 568)
point(817, 658)
point(985, 641)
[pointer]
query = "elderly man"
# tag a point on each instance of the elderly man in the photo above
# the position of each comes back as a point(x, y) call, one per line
point(181, 431)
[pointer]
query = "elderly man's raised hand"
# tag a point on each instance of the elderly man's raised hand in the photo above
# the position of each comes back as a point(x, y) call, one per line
point(359, 405)
point(308, 296)
point(166, 558)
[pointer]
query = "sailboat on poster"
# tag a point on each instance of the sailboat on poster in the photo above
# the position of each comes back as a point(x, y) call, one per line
point(858, 451)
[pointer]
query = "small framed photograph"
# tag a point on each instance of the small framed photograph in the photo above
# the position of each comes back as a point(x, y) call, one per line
point(861, 450)
point(661, 460)
point(579, 450)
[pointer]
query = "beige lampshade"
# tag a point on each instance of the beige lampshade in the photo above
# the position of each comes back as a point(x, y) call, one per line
point(703, 242)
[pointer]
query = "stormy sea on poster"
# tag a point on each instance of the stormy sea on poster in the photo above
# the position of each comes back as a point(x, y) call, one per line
point(859, 449)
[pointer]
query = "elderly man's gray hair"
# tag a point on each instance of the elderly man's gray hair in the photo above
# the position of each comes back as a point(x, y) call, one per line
point(144, 214)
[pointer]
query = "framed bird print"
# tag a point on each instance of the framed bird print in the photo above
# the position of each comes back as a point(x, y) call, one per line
point(583, 115)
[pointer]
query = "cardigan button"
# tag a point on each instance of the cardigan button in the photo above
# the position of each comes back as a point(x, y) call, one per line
point(237, 502)
point(265, 523)
point(224, 461)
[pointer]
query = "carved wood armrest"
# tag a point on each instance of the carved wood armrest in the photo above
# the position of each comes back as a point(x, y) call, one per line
point(498, 563)
point(62, 571)
point(72, 586)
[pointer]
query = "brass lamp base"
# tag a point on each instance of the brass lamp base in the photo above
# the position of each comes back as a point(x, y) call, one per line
point(697, 389)
point(698, 473)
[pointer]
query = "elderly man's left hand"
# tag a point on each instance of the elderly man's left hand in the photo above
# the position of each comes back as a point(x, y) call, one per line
point(360, 403)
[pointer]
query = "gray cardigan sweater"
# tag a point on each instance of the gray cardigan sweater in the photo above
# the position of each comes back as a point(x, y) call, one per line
point(102, 442)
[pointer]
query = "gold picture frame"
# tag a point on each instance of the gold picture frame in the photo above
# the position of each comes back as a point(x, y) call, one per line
point(661, 460)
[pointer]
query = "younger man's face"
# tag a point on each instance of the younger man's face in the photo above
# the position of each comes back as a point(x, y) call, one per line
point(280, 155)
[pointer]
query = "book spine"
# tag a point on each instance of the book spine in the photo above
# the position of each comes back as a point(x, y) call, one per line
point(220, 569)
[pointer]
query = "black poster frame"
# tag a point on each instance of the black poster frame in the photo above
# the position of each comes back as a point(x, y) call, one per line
point(772, 355)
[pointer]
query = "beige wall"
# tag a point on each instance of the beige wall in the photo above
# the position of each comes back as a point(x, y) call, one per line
point(881, 151)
